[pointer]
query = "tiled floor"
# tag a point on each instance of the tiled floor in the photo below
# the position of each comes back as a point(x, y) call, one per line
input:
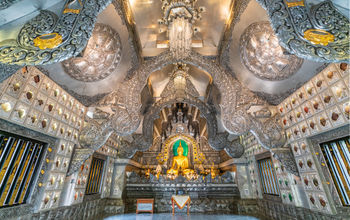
point(178, 216)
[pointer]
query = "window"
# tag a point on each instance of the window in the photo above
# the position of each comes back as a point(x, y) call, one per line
point(94, 181)
point(268, 177)
point(19, 163)
point(337, 158)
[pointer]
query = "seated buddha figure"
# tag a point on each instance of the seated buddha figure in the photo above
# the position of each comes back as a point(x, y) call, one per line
point(180, 163)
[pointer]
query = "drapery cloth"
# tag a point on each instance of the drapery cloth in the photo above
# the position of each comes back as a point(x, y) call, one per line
point(181, 200)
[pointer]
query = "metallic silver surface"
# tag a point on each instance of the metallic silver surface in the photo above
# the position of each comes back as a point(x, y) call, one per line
point(100, 57)
point(75, 30)
point(261, 53)
point(290, 23)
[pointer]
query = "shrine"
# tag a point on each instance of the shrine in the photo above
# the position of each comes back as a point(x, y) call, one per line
point(174, 109)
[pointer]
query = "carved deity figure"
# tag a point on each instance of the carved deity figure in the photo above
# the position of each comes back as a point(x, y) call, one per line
point(180, 163)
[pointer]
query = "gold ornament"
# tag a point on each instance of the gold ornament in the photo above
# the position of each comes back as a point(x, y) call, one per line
point(50, 41)
point(318, 36)
point(21, 113)
point(6, 106)
point(294, 3)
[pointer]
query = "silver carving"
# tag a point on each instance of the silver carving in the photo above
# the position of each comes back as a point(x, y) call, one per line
point(217, 141)
point(75, 30)
point(90, 208)
point(290, 23)
point(93, 136)
point(236, 100)
point(7, 3)
point(269, 133)
point(237, 10)
point(79, 157)
point(178, 77)
point(180, 8)
point(123, 9)
point(134, 178)
point(262, 55)
point(286, 157)
point(7, 70)
point(100, 57)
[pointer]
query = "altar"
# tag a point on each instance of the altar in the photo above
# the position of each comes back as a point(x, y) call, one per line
point(181, 160)
point(207, 194)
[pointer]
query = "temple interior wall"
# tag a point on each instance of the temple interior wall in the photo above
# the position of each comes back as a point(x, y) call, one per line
point(59, 117)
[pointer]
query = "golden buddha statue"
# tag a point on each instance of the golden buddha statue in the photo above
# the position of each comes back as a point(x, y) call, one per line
point(180, 163)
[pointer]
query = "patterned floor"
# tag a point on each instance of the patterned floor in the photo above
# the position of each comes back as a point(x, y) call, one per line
point(178, 216)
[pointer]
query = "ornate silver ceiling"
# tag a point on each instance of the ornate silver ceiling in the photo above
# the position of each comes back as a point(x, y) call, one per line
point(100, 57)
point(49, 38)
point(261, 53)
point(318, 32)
point(7, 3)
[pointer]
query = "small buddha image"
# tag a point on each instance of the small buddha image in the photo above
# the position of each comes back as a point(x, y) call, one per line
point(148, 173)
point(180, 164)
point(158, 170)
point(213, 171)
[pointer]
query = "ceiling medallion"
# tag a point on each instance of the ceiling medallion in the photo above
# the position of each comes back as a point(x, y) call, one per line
point(100, 57)
point(262, 55)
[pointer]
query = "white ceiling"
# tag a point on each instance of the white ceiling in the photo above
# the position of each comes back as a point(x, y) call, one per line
point(147, 13)
point(254, 13)
point(110, 17)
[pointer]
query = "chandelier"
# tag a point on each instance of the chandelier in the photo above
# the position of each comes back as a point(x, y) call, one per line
point(179, 15)
point(180, 37)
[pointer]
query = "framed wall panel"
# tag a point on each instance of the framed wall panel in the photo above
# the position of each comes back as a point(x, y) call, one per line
point(268, 177)
point(337, 156)
point(95, 176)
point(328, 183)
point(20, 160)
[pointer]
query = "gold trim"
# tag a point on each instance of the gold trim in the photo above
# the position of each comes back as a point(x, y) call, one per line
point(295, 4)
point(69, 10)
point(163, 155)
point(318, 36)
point(50, 41)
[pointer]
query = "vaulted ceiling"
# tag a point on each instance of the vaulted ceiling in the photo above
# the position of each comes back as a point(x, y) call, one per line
point(141, 34)
point(239, 62)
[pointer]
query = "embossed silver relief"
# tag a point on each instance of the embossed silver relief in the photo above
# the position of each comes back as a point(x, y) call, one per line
point(236, 100)
point(74, 29)
point(269, 133)
point(179, 83)
point(94, 135)
point(217, 141)
point(79, 157)
point(7, 3)
point(320, 33)
point(7, 70)
point(286, 157)
point(122, 8)
point(100, 57)
point(262, 55)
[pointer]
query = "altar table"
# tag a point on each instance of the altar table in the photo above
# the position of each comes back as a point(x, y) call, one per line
point(181, 201)
point(144, 205)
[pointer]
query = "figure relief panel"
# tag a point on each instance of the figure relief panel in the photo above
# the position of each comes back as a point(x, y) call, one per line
point(99, 59)
point(262, 55)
